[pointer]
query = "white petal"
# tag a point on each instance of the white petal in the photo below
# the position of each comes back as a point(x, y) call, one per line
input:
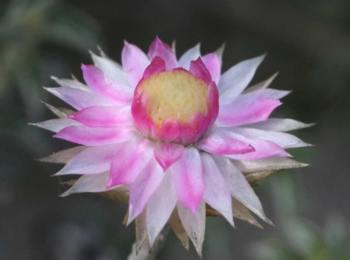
point(239, 187)
point(70, 83)
point(63, 156)
point(280, 124)
point(111, 69)
point(160, 206)
point(284, 140)
point(190, 55)
point(216, 193)
point(194, 224)
point(92, 160)
point(89, 183)
point(56, 125)
point(237, 78)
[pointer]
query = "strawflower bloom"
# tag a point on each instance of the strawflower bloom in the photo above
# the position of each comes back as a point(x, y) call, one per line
point(176, 137)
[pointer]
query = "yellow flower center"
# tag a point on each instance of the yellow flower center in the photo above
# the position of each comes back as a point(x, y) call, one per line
point(174, 95)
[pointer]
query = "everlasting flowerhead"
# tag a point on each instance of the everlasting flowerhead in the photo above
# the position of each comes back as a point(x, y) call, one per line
point(177, 137)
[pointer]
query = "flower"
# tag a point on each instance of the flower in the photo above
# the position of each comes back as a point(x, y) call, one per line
point(176, 136)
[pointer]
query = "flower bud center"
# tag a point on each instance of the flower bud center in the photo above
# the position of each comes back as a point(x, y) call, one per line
point(175, 95)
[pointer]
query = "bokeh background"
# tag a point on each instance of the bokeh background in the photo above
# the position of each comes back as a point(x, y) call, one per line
point(308, 42)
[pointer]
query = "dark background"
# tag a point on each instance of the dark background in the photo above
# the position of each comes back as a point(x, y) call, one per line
point(308, 42)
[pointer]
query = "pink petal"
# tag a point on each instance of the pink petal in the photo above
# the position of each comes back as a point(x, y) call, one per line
point(92, 160)
point(188, 179)
point(129, 161)
point(93, 136)
point(160, 207)
point(143, 187)
point(167, 153)
point(198, 69)
point(280, 124)
point(80, 99)
point(98, 81)
point(157, 65)
point(194, 224)
point(216, 193)
point(160, 49)
point(246, 109)
point(262, 148)
point(134, 62)
point(221, 142)
point(103, 116)
point(213, 64)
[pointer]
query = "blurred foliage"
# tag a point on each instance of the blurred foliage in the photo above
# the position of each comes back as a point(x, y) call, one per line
point(301, 239)
point(25, 26)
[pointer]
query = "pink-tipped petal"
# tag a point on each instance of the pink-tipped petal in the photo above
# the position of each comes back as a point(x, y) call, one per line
point(160, 207)
point(216, 193)
point(167, 153)
point(199, 70)
point(92, 160)
point(134, 62)
point(129, 161)
point(157, 65)
point(246, 109)
point(143, 187)
point(188, 179)
point(100, 83)
point(213, 64)
point(160, 49)
point(220, 142)
point(80, 99)
point(188, 56)
point(239, 186)
point(103, 116)
point(237, 78)
point(194, 224)
point(94, 136)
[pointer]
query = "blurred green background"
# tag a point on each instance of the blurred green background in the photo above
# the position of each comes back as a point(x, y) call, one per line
point(308, 42)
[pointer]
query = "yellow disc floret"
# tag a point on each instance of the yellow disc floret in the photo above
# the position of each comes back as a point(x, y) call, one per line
point(174, 95)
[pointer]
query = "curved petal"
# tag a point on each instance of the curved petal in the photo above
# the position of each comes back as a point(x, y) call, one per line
point(194, 224)
point(92, 160)
point(94, 136)
point(167, 153)
point(98, 81)
point(188, 179)
point(216, 193)
point(213, 64)
point(247, 109)
point(160, 49)
point(221, 142)
point(157, 65)
point(143, 187)
point(103, 116)
point(190, 55)
point(239, 187)
point(134, 62)
point(198, 69)
point(80, 99)
point(237, 78)
point(160, 207)
point(129, 161)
